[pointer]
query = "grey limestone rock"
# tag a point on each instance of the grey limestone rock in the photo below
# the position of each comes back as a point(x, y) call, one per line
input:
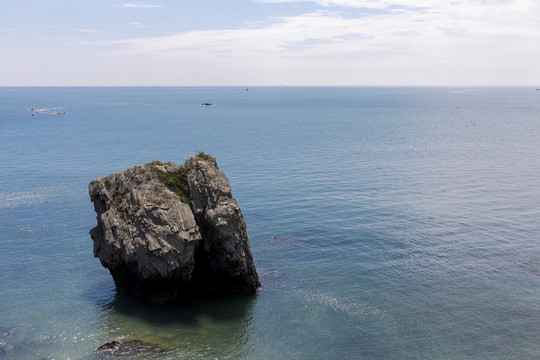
point(224, 256)
point(167, 232)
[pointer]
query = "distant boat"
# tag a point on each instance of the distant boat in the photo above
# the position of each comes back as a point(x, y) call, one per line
point(206, 104)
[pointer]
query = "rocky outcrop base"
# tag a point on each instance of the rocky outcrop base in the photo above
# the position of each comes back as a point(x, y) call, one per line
point(166, 232)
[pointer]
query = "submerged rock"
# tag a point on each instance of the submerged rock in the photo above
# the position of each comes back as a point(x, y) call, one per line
point(132, 349)
point(167, 232)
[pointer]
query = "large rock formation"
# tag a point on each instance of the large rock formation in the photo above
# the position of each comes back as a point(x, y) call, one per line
point(167, 232)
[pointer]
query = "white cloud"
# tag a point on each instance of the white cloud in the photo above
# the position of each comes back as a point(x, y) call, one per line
point(478, 42)
point(136, 5)
point(469, 25)
point(369, 4)
point(79, 30)
point(427, 5)
point(91, 31)
point(137, 24)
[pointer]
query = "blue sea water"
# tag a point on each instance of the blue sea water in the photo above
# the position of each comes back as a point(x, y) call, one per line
point(385, 223)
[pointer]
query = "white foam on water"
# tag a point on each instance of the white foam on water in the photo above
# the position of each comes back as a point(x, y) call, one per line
point(348, 307)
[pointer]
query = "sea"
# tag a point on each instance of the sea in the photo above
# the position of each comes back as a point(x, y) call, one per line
point(384, 222)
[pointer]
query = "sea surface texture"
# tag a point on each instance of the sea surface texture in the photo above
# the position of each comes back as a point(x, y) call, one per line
point(385, 223)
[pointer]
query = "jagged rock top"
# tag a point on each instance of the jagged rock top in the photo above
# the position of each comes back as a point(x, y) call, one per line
point(166, 232)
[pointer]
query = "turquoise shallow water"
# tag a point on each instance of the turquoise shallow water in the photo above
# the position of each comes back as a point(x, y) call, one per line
point(385, 223)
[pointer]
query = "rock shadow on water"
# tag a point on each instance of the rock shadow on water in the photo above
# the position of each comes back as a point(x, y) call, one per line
point(187, 311)
point(205, 327)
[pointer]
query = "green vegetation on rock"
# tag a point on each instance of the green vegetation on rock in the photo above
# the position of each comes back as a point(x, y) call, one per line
point(118, 199)
point(177, 182)
point(202, 156)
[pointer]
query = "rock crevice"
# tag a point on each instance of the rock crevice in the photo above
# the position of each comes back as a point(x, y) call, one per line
point(167, 232)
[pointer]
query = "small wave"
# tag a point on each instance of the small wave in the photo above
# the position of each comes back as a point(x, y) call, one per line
point(535, 268)
point(350, 308)
point(282, 238)
point(6, 331)
point(47, 111)
point(10, 201)
point(269, 273)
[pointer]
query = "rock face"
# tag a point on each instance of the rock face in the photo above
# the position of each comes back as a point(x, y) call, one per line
point(167, 232)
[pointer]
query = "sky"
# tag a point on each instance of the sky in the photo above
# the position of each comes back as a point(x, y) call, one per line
point(270, 42)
